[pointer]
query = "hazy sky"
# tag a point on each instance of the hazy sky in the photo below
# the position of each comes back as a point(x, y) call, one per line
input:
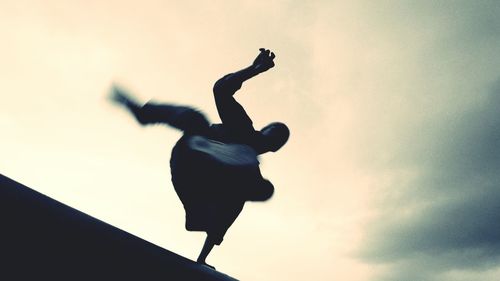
point(391, 171)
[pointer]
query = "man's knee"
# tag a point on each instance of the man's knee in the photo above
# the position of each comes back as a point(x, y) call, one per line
point(261, 192)
point(191, 121)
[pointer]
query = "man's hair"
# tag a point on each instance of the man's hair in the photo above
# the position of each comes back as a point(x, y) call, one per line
point(277, 135)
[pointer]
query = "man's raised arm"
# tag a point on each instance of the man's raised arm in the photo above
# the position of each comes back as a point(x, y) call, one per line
point(230, 111)
point(230, 83)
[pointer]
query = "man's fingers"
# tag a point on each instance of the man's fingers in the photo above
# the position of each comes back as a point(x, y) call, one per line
point(266, 57)
point(267, 52)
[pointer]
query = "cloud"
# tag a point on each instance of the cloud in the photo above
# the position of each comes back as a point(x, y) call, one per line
point(439, 203)
point(448, 216)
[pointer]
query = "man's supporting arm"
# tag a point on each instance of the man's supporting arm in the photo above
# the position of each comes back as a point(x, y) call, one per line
point(207, 248)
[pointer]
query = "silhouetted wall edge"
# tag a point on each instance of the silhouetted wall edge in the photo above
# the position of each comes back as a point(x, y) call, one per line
point(43, 239)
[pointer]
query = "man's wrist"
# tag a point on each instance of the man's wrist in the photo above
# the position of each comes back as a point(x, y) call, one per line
point(248, 72)
point(254, 69)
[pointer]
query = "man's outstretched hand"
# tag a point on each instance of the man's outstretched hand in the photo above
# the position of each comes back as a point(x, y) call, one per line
point(264, 60)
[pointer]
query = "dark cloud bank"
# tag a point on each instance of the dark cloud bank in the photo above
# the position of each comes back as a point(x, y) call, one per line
point(441, 219)
point(448, 217)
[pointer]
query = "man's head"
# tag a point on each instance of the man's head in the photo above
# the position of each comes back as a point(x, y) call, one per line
point(275, 135)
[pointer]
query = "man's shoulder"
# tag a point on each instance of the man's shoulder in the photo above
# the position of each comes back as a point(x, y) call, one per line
point(216, 126)
point(217, 130)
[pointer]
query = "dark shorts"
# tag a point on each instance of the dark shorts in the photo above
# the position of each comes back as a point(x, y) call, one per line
point(214, 192)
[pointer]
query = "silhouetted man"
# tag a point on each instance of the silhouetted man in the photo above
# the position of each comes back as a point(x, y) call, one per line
point(214, 167)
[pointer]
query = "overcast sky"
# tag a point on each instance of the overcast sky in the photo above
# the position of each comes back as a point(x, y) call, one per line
point(391, 171)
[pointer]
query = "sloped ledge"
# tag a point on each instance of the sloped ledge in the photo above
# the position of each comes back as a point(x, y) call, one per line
point(43, 239)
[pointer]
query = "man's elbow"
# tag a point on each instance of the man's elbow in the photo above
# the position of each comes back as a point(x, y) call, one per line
point(226, 86)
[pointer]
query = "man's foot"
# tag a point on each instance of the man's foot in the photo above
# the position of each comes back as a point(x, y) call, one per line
point(118, 95)
point(122, 98)
point(206, 264)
